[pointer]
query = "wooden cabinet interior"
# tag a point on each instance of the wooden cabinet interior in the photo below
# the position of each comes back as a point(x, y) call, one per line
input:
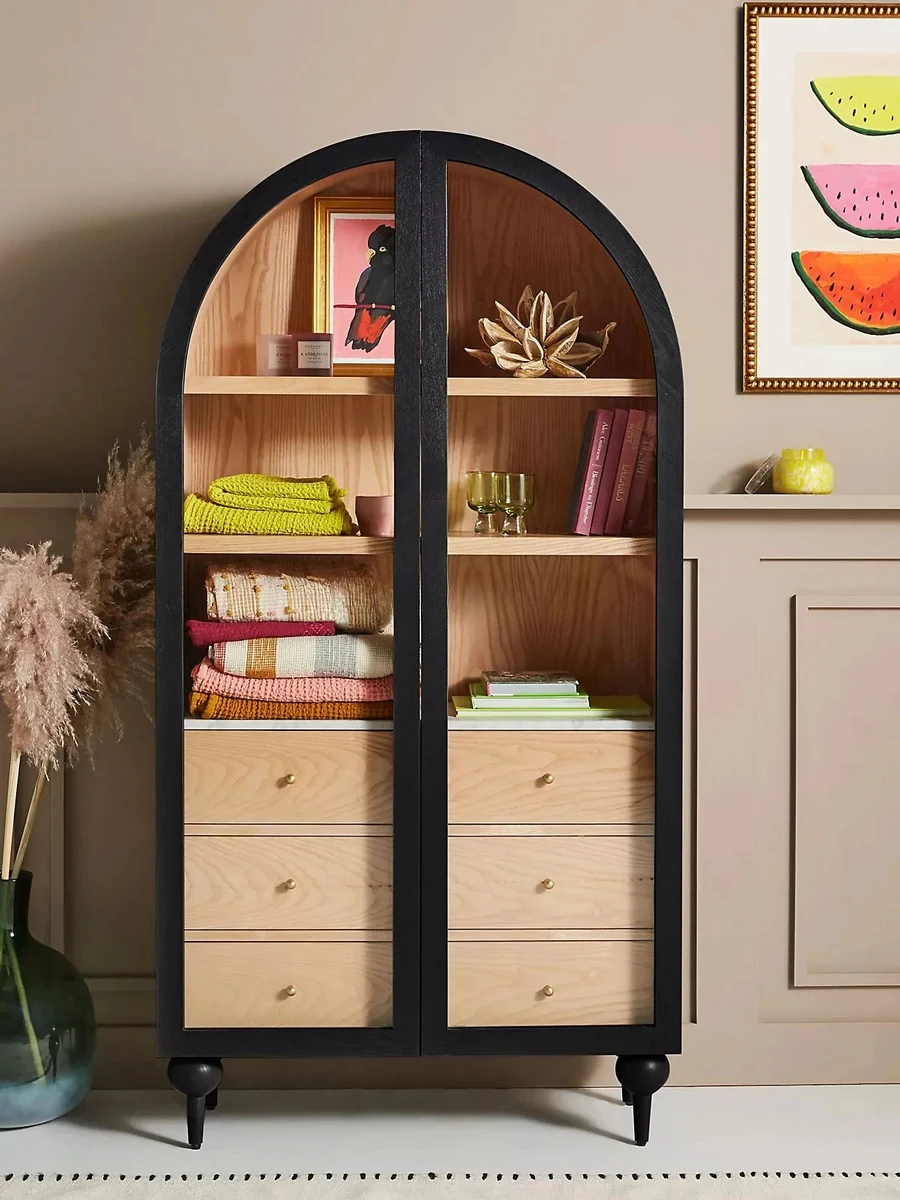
point(592, 616)
point(266, 283)
point(503, 234)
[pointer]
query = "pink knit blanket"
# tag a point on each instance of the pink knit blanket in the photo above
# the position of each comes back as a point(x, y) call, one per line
point(204, 633)
point(304, 689)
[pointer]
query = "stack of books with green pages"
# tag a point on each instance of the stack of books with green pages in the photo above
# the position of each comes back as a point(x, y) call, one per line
point(553, 695)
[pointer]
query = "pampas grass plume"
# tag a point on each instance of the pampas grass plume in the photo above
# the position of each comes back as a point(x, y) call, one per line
point(113, 564)
point(47, 633)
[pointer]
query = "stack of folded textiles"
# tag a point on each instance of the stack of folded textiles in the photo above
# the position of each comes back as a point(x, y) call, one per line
point(294, 643)
point(267, 504)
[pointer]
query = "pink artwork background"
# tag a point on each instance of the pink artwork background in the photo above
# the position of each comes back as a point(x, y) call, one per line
point(349, 242)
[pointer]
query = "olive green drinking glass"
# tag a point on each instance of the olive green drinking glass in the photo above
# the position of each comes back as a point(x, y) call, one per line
point(481, 497)
point(515, 495)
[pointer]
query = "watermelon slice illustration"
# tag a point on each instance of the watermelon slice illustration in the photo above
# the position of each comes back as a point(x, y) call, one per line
point(864, 103)
point(865, 200)
point(859, 290)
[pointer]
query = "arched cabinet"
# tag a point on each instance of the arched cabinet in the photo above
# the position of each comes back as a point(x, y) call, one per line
point(423, 884)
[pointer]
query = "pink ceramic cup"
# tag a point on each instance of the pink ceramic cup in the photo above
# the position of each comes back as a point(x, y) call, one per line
point(375, 515)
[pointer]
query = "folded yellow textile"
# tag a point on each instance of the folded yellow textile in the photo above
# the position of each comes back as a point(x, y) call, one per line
point(226, 708)
point(272, 493)
point(200, 516)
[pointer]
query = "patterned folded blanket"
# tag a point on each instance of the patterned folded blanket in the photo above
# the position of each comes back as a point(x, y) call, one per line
point(308, 589)
point(226, 709)
point(343, 656)
point(274, 493)
point(200, 516)
point(204, 633)
point(289, 691)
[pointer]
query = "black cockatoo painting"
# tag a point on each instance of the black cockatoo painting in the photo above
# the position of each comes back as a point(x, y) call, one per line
point(375, 291)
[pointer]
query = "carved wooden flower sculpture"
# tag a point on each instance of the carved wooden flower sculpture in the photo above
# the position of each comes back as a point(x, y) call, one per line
point(541, 338)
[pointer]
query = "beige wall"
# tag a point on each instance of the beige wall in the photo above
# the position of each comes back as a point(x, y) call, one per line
point(129, 127)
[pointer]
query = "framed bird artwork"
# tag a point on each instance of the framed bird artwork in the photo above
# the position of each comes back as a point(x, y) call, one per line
point(354, 270)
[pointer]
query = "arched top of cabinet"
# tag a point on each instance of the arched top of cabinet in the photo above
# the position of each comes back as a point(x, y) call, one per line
point(622, 285)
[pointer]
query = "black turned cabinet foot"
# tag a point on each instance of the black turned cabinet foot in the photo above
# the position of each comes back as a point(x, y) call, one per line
point(641, 1076)
point(198, 1081)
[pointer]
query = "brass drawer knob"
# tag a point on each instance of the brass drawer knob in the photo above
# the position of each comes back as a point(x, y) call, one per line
point(290, 778)
point(290, 884)
point(548, 778)
point(290, 990)
point(548, 990)
point(548, 884)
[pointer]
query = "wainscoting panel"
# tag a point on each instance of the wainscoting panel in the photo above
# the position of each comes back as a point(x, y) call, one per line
point(846, 810)
point(820, 821)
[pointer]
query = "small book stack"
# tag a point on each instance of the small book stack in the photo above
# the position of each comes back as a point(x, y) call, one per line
point(612, 493)
point(532, 695)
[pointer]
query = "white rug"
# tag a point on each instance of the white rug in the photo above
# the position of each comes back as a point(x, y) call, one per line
point(751, 1186)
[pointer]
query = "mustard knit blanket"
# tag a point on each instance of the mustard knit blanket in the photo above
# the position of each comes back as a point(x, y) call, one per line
point(226, 708)
point(267, 504)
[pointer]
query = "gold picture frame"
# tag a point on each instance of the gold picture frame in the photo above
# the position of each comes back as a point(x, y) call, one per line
point(799, 380)
point(326, 208)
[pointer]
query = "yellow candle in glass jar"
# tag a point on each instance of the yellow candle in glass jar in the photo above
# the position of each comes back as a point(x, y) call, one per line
point(803, 473)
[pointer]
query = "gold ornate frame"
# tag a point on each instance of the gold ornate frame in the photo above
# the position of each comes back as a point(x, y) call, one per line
point(324, 207)
point(752, 13)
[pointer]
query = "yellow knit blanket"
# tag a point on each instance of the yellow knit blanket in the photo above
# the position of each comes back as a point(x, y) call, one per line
point(265, 504)
point(269, 493)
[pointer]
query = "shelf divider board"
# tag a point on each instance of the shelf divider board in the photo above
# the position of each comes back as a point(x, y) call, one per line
point(289, 385)
point(554, 724)
point(248, 543)
point(383, 385)
point(382, 725)
point(548, 544)
point(552, 389)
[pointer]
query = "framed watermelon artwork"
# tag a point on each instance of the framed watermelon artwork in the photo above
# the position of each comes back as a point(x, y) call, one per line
point(822, 198)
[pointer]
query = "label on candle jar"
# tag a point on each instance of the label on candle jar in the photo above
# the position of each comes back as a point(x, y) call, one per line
point(314, 354)
point(279, 356)
point(274, 354)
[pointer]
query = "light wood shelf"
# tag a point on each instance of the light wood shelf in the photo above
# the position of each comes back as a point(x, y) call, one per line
point(383, 385)
point(224, 543)
point(552, 389)
point(385, 725)
point(768, 502)
point(557, 724)
point(539, 544)
point(289, 385)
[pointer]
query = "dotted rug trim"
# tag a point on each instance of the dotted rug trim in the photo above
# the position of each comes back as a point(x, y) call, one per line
point(441, 1178)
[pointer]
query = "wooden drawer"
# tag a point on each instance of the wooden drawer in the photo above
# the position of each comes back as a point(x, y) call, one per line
point(245, 984)
point(243, 776)
point(244, 882)
point(594, 983)
point(598, 778)
point(595, 882)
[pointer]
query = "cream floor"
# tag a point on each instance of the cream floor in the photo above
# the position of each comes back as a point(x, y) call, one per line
point(539, 1131)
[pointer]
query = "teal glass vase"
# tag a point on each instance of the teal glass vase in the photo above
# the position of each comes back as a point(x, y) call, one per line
point(47, 1028)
